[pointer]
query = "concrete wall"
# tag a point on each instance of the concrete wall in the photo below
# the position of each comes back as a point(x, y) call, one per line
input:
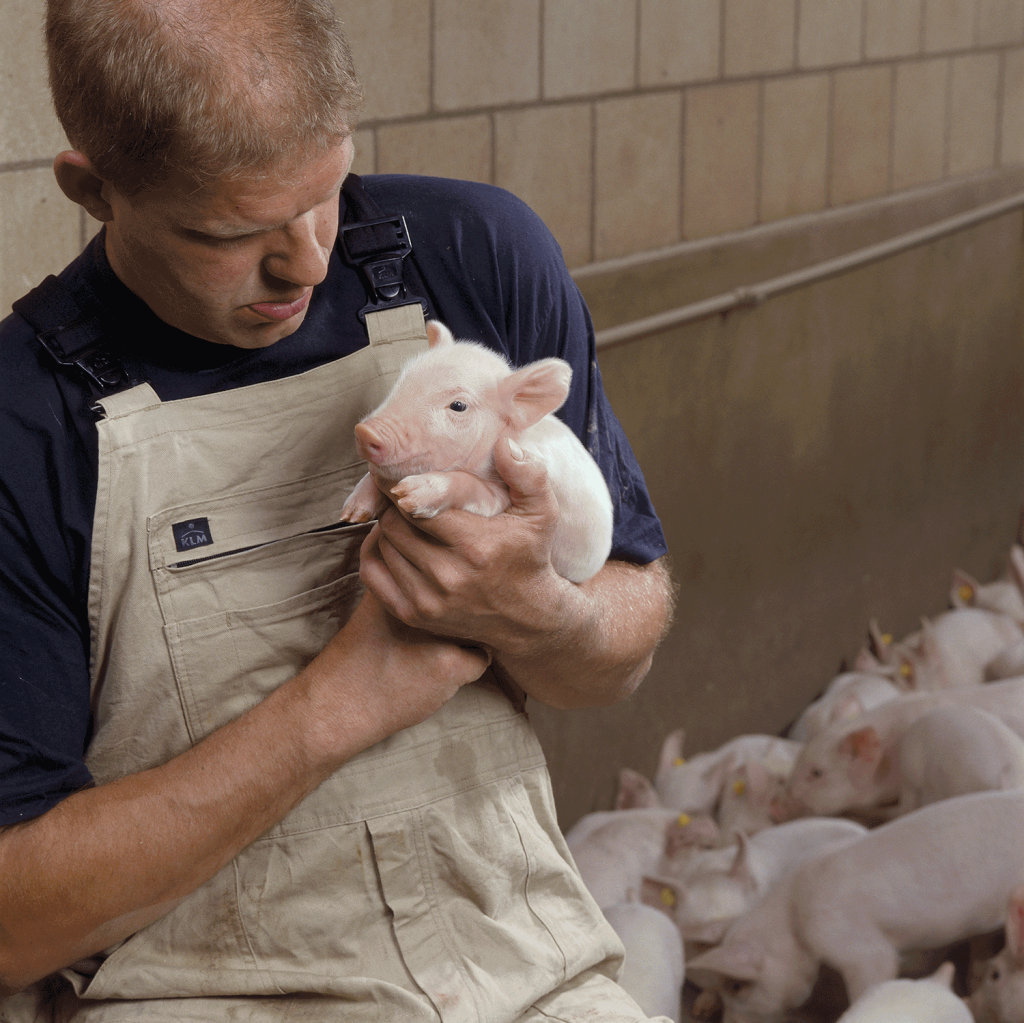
point(825, 458)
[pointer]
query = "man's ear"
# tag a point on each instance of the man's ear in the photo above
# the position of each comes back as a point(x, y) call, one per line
point(79, 181)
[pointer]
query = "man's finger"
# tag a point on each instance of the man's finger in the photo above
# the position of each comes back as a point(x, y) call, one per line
point(377, 577)
point(526, 477)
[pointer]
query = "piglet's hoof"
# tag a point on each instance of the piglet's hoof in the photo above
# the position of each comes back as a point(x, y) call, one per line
point(707, 1005)
point(421, 496)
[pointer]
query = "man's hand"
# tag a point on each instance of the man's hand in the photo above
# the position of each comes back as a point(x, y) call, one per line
point(378, 676)
point(484, 580)
point(490, 581)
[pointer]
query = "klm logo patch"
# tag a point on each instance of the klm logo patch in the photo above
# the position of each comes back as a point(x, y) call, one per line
point(192, 534)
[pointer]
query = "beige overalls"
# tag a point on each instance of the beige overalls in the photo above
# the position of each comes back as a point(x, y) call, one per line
point(427, 879)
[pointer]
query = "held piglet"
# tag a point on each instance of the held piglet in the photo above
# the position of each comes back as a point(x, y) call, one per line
point(431, 444)
point(936, 876)
point(1000, 997)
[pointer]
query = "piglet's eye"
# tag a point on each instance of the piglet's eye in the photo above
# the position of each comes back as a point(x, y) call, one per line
point(458, 406)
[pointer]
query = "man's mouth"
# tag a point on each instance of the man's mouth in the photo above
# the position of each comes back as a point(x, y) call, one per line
point(280, 311)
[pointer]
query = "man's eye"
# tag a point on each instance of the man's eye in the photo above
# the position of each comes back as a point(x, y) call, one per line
point(219, 241)
point(458, 406)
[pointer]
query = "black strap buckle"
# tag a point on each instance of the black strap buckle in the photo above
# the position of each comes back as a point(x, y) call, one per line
point(95, 358)
point(74, 336)
point(377, 249)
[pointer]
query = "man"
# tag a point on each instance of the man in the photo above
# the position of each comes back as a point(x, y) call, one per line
point(233, 784)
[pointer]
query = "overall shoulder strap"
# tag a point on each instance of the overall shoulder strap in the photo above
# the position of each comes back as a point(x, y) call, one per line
point(75, 337)
point(379, 247)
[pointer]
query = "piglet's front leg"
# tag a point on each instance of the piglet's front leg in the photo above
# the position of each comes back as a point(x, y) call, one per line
point(364, 503)
point(426, 495)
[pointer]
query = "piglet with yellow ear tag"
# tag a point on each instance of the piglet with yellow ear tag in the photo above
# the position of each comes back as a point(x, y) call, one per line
point(431, 445)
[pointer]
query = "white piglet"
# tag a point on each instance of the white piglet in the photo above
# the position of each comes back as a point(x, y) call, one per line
point(614, 849)
point(938, 875)
point(705, 895)
point(1000, 997)
point(929, 1000)
point(655, 962)
point(431, 444)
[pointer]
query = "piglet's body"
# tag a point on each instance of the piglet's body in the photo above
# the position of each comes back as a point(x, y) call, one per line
point(854, 765)
point(614, 849)
point(930, 1000)
point(431, 444)
point(926, 880)
point(653, 971)
point(706, 894)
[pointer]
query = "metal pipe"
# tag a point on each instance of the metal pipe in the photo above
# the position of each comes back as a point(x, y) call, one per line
point(754, 294)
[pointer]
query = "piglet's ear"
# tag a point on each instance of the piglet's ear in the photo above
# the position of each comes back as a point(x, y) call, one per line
point(943, 976)
point(661, 893)
point(964, 590)
point(634, 791)
point(863, 745)
point(535, 390)
point(672, 751)
point(438, 334)
point(738, 961)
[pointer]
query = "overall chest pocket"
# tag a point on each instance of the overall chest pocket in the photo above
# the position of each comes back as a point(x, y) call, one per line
point(251, 586)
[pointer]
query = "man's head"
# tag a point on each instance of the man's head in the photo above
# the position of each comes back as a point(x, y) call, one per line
point(211, 137)
point(206, 88)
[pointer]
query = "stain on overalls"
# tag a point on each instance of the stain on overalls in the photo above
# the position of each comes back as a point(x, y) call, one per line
point(427, 878)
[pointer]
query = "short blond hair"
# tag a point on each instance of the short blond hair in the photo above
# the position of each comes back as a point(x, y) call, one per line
point(211, 88)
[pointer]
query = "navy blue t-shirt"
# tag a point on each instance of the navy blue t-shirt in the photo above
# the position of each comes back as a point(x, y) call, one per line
point(493, 274)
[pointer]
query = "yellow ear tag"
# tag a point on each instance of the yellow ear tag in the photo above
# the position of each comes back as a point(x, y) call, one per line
point(906, 670)
point(739, 786)
point(668, 897)
point(966, 593)
point(887, 638)
point(684, 819)
point(679, 761)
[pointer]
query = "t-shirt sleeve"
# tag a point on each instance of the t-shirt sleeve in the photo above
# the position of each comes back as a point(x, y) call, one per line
point(44, 671)
point(496, 274)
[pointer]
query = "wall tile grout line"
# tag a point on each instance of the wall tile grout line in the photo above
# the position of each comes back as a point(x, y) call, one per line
point(26, 165)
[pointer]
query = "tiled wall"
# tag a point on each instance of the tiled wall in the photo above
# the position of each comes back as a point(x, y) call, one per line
point(633, 124)
point(627, 124)
point(40, 231)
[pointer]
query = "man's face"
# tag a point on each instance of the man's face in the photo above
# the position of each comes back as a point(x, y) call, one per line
point(234, 262)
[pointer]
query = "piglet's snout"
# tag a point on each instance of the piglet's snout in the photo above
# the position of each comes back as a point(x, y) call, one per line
point(371, 444)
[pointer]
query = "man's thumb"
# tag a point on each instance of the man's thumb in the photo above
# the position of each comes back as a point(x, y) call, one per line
point(525, 475)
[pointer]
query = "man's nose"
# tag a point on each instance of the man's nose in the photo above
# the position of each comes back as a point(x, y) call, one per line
point(299, 257)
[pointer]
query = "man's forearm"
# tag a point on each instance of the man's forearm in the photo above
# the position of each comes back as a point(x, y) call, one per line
point(107, 861)
point(595, 641)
